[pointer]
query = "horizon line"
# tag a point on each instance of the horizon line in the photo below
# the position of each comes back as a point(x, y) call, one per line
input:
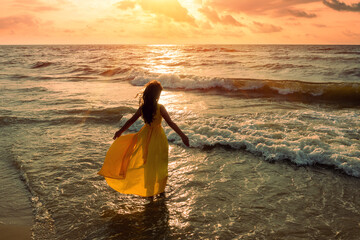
point(171, 44)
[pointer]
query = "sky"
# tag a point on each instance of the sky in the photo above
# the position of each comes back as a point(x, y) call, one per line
point(180, 22)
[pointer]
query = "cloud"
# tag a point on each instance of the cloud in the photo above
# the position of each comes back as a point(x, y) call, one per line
point(13, 22)
point(69, 31)
point(320, 25)
point(34, 5)
point(340, 6)
point(215, 18)
point(169, 8)
point(298, 13)
point(45, 8)
point(255, 7)
point(230, 20)
point(124, 5)
point(265, 28)
point(351, 34)
point(210, 14)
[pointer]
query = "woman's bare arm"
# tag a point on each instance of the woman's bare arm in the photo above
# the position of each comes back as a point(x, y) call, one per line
point(128, 124)
point(173, 125)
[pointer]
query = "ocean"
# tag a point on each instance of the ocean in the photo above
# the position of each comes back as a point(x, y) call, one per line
point(274, 133)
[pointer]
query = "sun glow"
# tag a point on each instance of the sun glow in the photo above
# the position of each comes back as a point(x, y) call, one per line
point(179, 21)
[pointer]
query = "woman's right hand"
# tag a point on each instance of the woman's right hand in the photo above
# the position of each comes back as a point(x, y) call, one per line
point(117, 134)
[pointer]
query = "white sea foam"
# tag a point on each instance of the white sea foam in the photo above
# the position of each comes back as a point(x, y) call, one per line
point(173, 81)
point(284, 91)
point(344, 92)
point(288, 137)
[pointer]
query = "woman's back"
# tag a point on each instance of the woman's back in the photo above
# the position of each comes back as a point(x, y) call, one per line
point(157, 117)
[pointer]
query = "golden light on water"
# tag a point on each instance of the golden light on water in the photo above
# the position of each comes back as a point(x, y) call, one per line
point(164, 60)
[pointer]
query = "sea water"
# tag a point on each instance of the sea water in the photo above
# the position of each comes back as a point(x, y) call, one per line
point(274, 133)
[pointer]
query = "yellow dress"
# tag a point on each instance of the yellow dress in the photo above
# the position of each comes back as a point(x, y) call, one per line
point(138, 163)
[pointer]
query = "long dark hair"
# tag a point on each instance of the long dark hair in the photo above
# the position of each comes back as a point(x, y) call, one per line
point(148, 100)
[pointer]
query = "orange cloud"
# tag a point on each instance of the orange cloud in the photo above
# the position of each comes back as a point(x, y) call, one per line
point(34, 5)
point(351, 34)
point(168, 8)
point(124, 5)
point(340, 6)
point(320, 25)
point(215, 18)
point(297, 13)
point(255, 7)
point(179, 21)
point(265, 28)
point(15, 22)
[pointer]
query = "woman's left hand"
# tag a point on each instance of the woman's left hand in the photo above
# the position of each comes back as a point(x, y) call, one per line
point(185, 140)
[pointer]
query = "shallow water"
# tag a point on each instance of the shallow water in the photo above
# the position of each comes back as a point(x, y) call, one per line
point(264, 164)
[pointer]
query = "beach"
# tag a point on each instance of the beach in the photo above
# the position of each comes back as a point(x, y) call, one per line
point(16, 218)
point(274, 133)
point(15, 232)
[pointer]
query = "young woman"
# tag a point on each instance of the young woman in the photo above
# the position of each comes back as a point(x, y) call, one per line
point(138, 163)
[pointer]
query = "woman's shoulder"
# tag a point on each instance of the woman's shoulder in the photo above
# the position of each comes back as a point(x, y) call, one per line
point(161, 108)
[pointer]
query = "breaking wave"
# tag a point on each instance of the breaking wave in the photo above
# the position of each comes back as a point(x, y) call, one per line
point(285, 89)
point(277, 137)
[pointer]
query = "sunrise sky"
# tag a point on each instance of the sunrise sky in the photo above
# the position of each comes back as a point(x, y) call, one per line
point(179, 21)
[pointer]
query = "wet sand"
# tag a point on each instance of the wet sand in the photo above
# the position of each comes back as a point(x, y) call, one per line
point(16, 217)
point(14, 232)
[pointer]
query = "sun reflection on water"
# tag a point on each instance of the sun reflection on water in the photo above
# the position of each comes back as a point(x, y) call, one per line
point(164, 59)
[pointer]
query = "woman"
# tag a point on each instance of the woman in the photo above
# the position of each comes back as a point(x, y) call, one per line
point(138, 163)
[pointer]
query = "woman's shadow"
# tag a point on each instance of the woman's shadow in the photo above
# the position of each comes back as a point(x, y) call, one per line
point(150, 223)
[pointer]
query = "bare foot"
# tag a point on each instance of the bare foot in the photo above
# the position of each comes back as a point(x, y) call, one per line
point(161, 195)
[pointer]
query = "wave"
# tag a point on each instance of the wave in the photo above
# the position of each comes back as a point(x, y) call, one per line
point(94, 116)
point(277, 137)
point(103, 112)
point(83, 70)
point(41, 65)
point(348, 53)
point(81, 78)
point(9, 120)
point(73, 120)
point(291, 90)
point(351, 72)
point(175, 64)
point(99, 116)
point(198, 49)
point(33, 89)
point(112, 72)
point(228, 50)
point(278, 66)
point(72, 116)
point(325, 49)
point(19, 76)
point(85, 120)
point(298, 90)
point(203, 63)
point(173, 81)
point(212, 49)
point(9, 62)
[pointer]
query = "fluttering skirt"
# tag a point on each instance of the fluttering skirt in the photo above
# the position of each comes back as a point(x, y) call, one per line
point(138, 163)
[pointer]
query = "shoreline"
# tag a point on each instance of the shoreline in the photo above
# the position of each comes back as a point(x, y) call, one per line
point(16, 217)
point(15, 232)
